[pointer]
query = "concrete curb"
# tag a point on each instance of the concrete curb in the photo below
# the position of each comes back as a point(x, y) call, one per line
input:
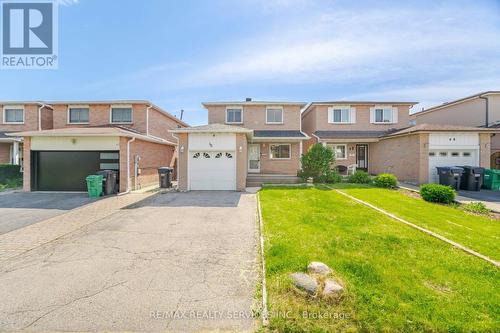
point(431, 233)
point(265, 312)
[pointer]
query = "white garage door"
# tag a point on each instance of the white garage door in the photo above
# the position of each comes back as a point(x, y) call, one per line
point(450, 157)
point(212, 170)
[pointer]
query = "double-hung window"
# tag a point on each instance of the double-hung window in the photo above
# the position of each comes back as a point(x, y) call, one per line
point(279, 151)
point(234, 115)
point(121, 114)
point(274, 115)
point(340, 151)
point(383, 115)
point(78, 115)
point(341, 115)
point(13, 115)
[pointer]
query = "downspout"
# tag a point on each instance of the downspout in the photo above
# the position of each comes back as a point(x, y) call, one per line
point(42, 105)
point(487, 110)
point(128, 166)
point(147, 118)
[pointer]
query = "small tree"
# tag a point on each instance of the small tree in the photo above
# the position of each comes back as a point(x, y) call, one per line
point(317, 162)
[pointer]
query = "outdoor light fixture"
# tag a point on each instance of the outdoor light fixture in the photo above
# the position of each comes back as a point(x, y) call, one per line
point(240, 149)
point(182, 149)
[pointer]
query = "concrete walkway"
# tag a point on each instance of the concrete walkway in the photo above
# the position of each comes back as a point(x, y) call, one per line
point(491, 199)
point(174, 262)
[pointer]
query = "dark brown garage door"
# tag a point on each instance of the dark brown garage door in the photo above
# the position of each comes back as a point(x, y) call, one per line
point(67, 170)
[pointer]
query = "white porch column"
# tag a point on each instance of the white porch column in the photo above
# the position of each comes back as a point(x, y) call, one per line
point(15, 152)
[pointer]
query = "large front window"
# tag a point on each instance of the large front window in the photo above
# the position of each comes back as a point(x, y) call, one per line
point(13, 115)
point(234, 115)
point(383, 115)
point(277, 151)
point(78, 115)
point(121, 114)
point(274, 115)
point(340, 151)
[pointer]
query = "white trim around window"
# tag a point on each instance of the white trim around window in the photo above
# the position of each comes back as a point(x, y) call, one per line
point(233, 108)
point(280, 158)
point(341, 115)
point(121, 106)
point(68, 116)
point(335, 150)
point(13, 107)
point(282, 115)
point(389, 114)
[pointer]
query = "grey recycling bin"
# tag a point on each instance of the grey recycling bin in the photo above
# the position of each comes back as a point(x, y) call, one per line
point(165, 175)
point(472, 178)
point(109, 184)
point(450, 176)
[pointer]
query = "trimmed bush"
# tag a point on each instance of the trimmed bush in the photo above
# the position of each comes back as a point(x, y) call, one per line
point(316, 163)
point(437, 193)
point(359, 177)
point(331, 178)
point(476, 208)
point(9, 172)
point(386, 180)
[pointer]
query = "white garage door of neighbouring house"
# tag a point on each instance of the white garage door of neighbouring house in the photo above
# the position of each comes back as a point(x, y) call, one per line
point(212, 170)
point(452, 149)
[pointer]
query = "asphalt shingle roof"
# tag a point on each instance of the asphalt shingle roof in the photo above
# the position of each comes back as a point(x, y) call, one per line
point(278, 134)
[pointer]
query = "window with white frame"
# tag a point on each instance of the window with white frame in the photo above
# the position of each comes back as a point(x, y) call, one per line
point(234, 115)
point(341, 115)
point(121, 114)
point(279, 151)
point(13, 115)
point(340, 151)
point(274, 115)
point(383, 115)
point(78, 115)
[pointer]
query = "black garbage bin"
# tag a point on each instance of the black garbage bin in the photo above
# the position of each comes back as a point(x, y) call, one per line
point(165, 174)
point(110, 181)
point(450, 176)
point(472, 178)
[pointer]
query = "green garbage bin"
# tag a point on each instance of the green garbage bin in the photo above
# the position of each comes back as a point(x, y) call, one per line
point(491, 179)
point(94, 185)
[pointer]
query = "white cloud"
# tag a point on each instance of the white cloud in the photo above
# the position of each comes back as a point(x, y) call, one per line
point(67, 3)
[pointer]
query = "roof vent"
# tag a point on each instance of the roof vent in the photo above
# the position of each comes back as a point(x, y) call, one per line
point(248, 99)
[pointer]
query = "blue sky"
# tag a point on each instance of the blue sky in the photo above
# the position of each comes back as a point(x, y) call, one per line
point(180, 53)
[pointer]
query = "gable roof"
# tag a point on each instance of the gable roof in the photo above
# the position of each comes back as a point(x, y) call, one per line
point(441, 128)
point(457, 101)
point(243, 103)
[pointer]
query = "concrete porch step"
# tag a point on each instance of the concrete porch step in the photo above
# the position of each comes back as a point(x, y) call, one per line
point(254, 180)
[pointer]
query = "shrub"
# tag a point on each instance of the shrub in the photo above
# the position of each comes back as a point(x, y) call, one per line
point(8, 172)
point(359, 177)
point(437, 193)
point(331, 178)
point(316, 163)
point(476, 208)
point(386, 180)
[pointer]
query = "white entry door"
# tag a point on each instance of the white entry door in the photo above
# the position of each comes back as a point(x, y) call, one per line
point(254, 158)
point(212, 170)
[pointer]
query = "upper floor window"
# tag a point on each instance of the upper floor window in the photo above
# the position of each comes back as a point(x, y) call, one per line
point(121, 114)
point(78, 115)
point(13, 115)
point(274, 115)
point(341, 115)
point(234, 115)
point(384, 115)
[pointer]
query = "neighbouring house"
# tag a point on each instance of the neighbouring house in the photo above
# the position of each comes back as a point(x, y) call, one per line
point(377, 137)
point(130, 137)
point(244, 144)
point(20, 116)
point(479, 110)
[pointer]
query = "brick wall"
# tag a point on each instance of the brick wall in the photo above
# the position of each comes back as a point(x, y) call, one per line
point(5, 153)
point(30, 120)
point(485, 150)
point(183, 161)
point(282, 167)
point(27, 164)
point(241, 162)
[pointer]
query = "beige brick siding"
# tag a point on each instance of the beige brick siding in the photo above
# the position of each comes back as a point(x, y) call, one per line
point(5, 153)
point(254, 117)
point(308, 127)
point(183, 161)
point(241, 162)
point(27, 164)
point(276, 166)
point(47, 118)
point(30, 120)
point(484, 150)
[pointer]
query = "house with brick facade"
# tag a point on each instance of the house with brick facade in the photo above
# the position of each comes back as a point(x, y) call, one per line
point(244, 144)
point(380, 137)
point(78, 138)
point(479, 110)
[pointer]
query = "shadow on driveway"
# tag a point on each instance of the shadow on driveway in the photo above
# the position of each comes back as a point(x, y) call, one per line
point(191, 199)
point(21, 209)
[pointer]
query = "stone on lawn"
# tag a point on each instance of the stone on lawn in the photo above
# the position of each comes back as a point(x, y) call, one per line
point(304, 282)
point(332, 288)
point(318, 268)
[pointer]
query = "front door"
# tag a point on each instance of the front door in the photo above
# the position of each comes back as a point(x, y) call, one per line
point(362, 157)
point(254, 158)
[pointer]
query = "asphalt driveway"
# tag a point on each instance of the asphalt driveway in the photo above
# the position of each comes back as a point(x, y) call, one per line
point(20, 209)
point(176, 262)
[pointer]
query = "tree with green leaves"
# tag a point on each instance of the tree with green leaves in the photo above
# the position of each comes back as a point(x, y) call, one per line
point(317, 163)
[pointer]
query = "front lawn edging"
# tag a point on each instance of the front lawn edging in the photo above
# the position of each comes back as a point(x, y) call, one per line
point(431, 233)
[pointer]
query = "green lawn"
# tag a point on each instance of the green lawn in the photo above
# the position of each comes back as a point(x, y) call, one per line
point(397, 278)
point(480, 233)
